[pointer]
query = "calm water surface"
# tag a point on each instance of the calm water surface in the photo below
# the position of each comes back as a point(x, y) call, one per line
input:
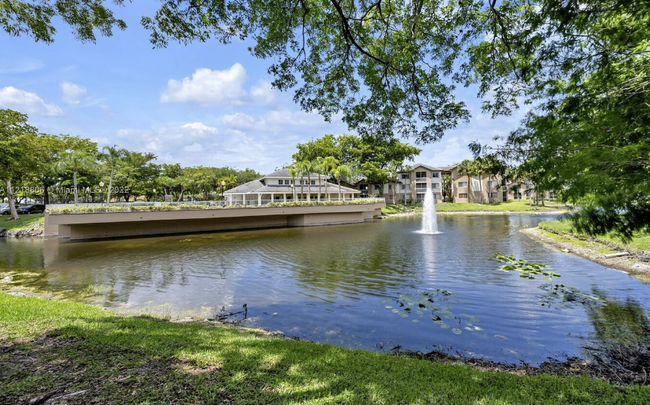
point(344, 284)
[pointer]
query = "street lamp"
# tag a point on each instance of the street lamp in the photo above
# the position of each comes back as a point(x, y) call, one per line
point(223, 187)
point(101, 189)
point(293, 192)
point(154, 194)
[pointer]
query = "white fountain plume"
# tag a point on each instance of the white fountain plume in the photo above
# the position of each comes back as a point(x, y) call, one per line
point(429, 215)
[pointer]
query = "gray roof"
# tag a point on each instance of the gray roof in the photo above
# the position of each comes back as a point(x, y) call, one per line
point(284, 174)
point(433, 168)
point(256, 186)
point(249, 187)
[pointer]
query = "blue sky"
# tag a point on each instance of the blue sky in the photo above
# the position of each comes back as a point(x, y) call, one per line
point(203, 104)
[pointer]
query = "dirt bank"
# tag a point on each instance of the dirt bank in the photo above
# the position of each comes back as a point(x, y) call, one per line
point(634, 264)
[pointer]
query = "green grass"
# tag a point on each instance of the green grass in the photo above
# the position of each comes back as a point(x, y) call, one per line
point(49, 345)
point(640, 241)
point(392, 209)
point(514, 206)
point(508, 206)
point(24, 221)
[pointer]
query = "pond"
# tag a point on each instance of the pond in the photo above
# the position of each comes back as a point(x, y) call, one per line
point(377, 285)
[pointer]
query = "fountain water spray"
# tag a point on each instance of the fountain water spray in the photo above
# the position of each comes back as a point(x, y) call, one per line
point(429, 215)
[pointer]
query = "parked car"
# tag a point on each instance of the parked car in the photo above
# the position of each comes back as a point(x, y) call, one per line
point(4, 209)
point(31, 209)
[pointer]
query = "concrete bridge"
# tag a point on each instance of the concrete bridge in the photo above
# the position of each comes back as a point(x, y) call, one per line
point(78, 226)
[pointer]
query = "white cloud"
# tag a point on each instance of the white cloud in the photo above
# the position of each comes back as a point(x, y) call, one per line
point(72, 93)
point(282, 121)
point(263, 94)
point(201, 128)
point(27, 103)
point(106, 109)
point(208, 87)
point(21, 66)
point(195, 147)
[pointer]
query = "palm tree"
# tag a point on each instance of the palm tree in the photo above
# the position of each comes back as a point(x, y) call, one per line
point(341, 171)
point(330, 163)
point(317, 164)
point(76, 160)
point(304, 168)
point(447, 188)
point(293, 173)
point(470, 168)
point(111, 156)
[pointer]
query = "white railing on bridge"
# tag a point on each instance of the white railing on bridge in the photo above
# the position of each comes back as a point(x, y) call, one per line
point(222, 203)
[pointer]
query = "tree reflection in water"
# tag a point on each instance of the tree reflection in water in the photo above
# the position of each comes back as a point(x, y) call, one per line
point(622, 338)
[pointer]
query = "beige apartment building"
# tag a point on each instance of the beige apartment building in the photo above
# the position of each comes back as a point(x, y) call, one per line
point(482, 188)
point(411, 186)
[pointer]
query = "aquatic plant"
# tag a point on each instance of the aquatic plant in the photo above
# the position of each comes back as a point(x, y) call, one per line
point(436, 306)
point(525, 268)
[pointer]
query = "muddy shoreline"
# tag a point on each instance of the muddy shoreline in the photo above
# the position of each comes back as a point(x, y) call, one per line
point(634, 264)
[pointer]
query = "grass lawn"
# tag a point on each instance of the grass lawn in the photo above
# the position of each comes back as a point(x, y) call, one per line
point(24, 221)
point(640, 241)
point(508, 206)
point(62, 348)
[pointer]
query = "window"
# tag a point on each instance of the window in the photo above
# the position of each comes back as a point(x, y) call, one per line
point(492, 183)
point(492, 195)
point(435, 185)
point(420, 175)
point(505, 196)
point(462, 195)
point(390, 186)
point(403, 186)
point(551, 195)
point(405, 176)
point(462, 184)
point(313, 182)
point(435, 174)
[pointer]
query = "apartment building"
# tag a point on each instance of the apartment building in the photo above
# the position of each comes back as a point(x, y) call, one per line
point(410, 186)
point(482, 188)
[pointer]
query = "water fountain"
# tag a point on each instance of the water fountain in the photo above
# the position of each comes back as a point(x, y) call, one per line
point(429, 215)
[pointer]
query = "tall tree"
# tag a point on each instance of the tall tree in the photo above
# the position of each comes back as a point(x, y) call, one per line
point(111, 155)
point(293, 172)
point(447, 188)
point(494, 168)
point(329, 166)
point(19, 146)
point(374, 155)
point(53, 147)
point(341, 172)
point(470, 168)
point(75, 161)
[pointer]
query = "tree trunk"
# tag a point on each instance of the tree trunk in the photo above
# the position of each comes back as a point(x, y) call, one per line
point(46, 194)
point(302, 186)
point(110, 186)
point(319, 186)
point(12, 200)
point(339, 182)
point(308, 187)
point(76, 195)
point(469, 188)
